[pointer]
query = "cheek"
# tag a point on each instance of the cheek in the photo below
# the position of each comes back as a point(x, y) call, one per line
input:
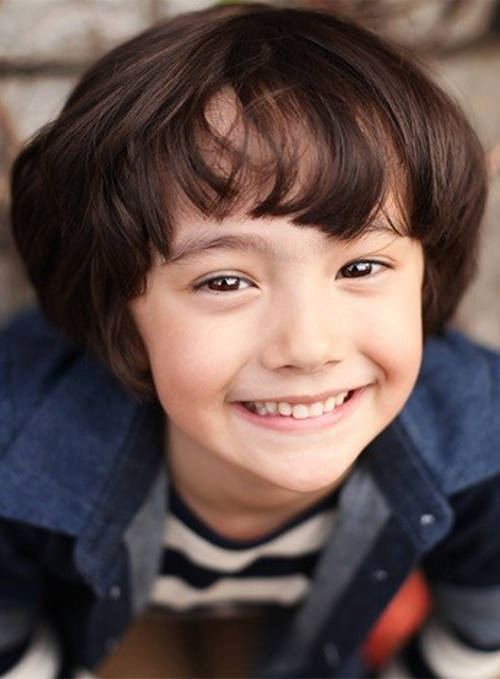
point(396, 341)
point(192, 363)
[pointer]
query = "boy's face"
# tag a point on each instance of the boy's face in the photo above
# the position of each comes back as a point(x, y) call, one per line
point(294, 317)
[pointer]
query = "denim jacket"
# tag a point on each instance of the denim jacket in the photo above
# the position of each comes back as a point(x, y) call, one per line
point(83, 493)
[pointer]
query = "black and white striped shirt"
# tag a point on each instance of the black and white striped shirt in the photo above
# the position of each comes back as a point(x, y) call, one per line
point(203, 570)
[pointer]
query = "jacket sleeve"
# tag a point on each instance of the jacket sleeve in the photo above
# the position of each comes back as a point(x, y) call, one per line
point(25, 641)
point(462, 636)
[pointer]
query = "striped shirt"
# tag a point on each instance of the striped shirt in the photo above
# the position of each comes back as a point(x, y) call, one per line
point(438, 652)
point(203, 570)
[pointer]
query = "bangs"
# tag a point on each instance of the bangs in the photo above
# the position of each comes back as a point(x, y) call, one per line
point(274, 141)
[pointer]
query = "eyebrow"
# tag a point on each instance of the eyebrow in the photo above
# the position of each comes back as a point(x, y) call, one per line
point(194, 246)
point(197, 245)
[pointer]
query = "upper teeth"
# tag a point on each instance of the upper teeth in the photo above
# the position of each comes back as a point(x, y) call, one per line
point(299, 411)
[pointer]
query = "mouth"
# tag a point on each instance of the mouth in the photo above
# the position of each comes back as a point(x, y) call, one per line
point(298, 411)
point(300, 417)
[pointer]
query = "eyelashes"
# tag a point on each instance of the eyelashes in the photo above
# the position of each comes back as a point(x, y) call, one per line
point(228, 283)
point(224, 283)
point(362, 268)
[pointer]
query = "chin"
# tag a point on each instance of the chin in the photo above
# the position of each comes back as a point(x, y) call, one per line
point(308, 483)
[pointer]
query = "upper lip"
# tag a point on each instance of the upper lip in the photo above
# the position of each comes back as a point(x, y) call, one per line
point(302, 398)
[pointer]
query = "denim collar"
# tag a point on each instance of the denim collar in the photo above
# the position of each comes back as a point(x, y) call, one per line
point(82, 460)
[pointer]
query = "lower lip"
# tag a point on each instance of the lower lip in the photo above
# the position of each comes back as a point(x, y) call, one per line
point(289, 423)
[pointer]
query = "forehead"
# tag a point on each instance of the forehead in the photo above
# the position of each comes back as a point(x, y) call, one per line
point(270, 238)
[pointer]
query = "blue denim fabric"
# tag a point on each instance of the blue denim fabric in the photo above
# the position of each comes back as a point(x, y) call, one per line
point(82, 484)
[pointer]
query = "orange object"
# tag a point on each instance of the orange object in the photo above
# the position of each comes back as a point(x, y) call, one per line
point(399, 621)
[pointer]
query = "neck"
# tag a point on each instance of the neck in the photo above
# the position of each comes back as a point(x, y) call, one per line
point(229, 499)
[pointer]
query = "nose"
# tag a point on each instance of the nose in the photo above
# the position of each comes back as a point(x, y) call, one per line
point(304, 334)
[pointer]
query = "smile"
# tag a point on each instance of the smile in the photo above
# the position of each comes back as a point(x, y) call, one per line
point(299, 417)
point(299, 411)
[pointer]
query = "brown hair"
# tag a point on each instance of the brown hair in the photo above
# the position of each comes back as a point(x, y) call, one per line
point(94, 193)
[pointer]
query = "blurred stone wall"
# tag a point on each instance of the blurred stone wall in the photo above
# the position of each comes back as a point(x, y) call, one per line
point(45, 45)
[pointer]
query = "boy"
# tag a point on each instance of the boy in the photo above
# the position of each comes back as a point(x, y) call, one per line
point(253, 224)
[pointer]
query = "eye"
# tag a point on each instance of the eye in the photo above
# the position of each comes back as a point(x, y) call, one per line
point(225, 283)
point(361, 268)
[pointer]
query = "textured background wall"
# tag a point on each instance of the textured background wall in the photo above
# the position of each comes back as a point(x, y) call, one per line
point(45, 44)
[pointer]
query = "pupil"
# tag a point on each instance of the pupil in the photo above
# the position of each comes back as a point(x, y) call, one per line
point(223, 284)
point(359, 269)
